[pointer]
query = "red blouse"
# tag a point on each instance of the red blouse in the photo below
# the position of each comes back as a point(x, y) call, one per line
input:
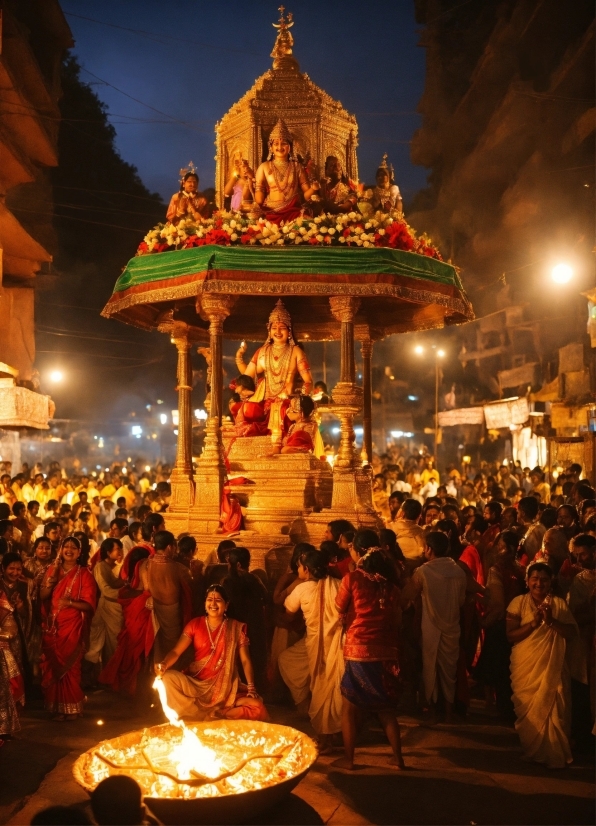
point(369, 609)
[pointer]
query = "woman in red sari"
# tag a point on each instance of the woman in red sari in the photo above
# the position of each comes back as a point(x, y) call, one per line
point(137, 635)
point(212, 687)
point(69, 594)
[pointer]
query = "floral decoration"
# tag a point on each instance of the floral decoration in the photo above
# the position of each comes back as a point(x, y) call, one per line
point(351, 229)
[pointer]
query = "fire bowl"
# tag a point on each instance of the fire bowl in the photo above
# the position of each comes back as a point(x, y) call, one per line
point(255, 766)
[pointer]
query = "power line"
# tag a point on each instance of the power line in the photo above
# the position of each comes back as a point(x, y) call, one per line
point(161, 37)
point(80, 220)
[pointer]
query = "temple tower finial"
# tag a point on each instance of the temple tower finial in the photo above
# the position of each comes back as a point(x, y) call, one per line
point(284, 42)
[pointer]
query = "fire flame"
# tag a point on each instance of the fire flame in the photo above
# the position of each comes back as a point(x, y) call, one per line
point(190, 755)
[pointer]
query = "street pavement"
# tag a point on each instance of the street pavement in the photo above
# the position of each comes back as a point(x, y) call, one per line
point(470, 773)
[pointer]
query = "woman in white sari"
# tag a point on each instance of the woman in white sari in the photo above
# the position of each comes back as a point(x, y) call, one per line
point(107, 620)
point(316, 661)
point(541, 629)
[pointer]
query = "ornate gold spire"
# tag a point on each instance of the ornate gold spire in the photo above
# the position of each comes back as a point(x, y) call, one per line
point(282, 49)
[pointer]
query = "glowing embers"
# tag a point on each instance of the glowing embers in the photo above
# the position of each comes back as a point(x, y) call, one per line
point(200, 760)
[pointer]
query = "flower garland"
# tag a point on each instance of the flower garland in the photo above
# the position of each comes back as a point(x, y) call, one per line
point(350, 229)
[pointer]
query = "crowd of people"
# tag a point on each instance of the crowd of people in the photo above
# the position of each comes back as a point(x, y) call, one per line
point(478, 585)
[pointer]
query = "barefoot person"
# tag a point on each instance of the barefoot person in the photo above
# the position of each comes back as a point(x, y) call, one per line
point(72, 595)
point(368, 601)
point(212, 688)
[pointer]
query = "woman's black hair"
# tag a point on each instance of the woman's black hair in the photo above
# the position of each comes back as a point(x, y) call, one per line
point(219, 589)
point(238, 556)
point(539, 566)
point(511, 540)
point(107, 546)
point(71, 538)
point(377, 562)
point(306, 406)
point(339, 526)
point(247, 382)
point(449, 527)
point(296, 558)
point(186, 177)
point(133, 528)
point(329, 549)
point(84, 545)
point(38, 541)
point(388, 540)
point(315, 562)
point(187, 545)
point(548, 517)
point(9, 558)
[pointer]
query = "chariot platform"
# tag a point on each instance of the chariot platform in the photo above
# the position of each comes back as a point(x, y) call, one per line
point(200, 295)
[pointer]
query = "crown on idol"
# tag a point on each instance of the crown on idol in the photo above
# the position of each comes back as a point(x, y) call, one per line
point(186, 170)
point(280, 315)
point(281, 131)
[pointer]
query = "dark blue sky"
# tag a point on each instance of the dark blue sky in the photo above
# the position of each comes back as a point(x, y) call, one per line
point(197, 58)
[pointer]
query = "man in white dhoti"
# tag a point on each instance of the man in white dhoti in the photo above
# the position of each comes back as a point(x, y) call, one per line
point(316, 661)
point(442, 584)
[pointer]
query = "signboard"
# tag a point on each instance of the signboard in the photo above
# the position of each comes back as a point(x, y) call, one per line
point(503, 414)
point(462, 415)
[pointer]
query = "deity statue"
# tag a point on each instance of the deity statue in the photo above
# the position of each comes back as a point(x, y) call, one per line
point(274, 367)
point(241, 186)
point(386, 194)
point(337, 195)
point(187, 203)
point(281, 182)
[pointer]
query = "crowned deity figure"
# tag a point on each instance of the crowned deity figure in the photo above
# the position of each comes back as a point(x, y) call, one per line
point(187, 202)
point(337, 194)
point(386, 195)
point(274, 367)
point(281, 182)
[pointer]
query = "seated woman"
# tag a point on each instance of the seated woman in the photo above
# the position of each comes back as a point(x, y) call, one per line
point(541, 627)
point(187, 203)
point(239, 191)
point(303, 434)
point(212, 688)
point(336, 193)
point(250, 418)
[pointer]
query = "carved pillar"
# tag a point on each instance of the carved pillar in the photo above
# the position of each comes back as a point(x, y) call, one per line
point(211, 467)
point(346, 395)
point(366, 347)
point(183, 486)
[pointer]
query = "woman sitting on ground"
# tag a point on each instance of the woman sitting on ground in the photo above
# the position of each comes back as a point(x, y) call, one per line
point(212, 688)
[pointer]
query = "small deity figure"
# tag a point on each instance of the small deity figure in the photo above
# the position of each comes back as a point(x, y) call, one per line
point(336, 193)
point(240, 186)
point(281, 182)
point(250, 418)
point(274, 367)
point(187, 203)
point(386, 194)
point(303, 435)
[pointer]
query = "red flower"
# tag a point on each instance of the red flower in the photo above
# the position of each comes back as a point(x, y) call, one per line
point(194, 241)
point(142, 248)
point(347, 232)
point(313, 240)
point(217, 236)
point(246, 237)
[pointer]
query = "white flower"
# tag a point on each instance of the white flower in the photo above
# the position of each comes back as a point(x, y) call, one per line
point(265, 232)
point(226, 227)
point(292, 235)
point(182, 236)
point(267, 240)
point(280, 242)
point(302, 230)
point(331, 230)
point(339, 227)
point(299, 222)
point(368, 225)
point(318, 219)
point(367, 244)
point(232, 224)
point(234, 236)
point(352, 215)
point(323, 230)
point(253, 241)
point(358, 242)
point(298, 239)
point(263, 241)
point(200, 233)
point(342, 240)
point(319, 238)
point(286, 229)
point(358, 230)
point(381, 231)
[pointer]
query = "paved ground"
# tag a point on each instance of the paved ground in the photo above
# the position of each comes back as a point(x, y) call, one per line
point(465, 774)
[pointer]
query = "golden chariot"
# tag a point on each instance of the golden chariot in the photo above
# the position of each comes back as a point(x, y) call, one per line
point(361, 294)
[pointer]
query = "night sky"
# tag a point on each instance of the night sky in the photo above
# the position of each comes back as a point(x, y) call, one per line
point(195, 59)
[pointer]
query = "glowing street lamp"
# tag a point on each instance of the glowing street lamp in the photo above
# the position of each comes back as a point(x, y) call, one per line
point(56, 376)
point(561, 273)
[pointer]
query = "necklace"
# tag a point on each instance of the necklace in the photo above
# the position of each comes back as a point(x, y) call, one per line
point(213, 642)
point(282, 175)
point(277, 367)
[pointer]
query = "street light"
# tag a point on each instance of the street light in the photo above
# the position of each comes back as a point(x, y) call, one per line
point(56, 376)
point(439, 354)
point(561, 273)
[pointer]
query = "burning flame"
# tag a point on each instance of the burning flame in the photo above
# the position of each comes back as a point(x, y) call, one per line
point(190, 756)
